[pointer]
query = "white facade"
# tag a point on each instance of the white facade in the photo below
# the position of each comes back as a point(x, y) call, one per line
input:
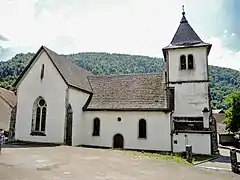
point(200, 143)
point(77, 99)
point(200, 64)
point(191, 96)
point(158, 129)
point(53, 89)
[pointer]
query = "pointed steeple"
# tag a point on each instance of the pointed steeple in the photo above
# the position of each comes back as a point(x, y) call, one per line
point(185, 34)
point(185, 37)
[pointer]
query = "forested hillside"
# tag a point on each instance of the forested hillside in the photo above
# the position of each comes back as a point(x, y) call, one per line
point(223, 80)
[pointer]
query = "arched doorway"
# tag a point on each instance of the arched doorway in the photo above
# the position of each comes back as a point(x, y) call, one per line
point(69, 125)
point(118, 141)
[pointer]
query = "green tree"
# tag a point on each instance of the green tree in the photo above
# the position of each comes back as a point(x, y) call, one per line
point(232, 119)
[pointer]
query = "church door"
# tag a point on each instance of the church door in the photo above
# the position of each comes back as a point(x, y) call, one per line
point(118, 141)
point(69, 126)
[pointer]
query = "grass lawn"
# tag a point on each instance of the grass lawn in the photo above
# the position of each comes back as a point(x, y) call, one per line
point(178, 158)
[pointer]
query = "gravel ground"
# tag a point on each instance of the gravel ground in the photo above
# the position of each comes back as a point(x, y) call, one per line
point(70, 163)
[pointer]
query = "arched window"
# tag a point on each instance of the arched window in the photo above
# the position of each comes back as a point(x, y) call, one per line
point(183, 62)
point(39, 115)
point(96, 127)
point(190, 61)
point(42, 72)
point(142, 129)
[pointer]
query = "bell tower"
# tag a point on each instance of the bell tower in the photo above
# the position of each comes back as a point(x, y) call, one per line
point(186, 59)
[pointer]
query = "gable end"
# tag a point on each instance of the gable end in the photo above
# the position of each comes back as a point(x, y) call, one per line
point(60, 62)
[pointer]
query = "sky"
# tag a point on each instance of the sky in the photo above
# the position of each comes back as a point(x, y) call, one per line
point(140, 27)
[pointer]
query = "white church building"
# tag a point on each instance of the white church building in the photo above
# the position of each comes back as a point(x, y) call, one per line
point(62, 103)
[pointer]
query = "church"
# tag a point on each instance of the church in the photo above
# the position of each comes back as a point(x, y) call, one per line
point(59, 102)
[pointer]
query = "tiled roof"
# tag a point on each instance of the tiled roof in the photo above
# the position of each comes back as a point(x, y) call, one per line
point(8, 96)
point(128, 92)
point(72, 74)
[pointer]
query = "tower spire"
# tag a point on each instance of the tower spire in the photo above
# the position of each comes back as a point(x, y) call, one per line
point(183, 20)
point(183, 12)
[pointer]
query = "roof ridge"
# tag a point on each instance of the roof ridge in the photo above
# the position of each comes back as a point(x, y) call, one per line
point(65, 59)
point(123, 75)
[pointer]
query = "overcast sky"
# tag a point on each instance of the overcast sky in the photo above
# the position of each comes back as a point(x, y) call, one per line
point(122, 26)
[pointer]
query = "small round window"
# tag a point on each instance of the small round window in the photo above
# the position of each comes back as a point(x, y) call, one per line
point(119, 119)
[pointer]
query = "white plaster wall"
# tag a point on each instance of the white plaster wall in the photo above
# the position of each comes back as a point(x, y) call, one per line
point(77, 99)
point(53, 89)
point(5, 115)
point(201, 143)
point(158, 129)
point(190, 99)
point(200, 64)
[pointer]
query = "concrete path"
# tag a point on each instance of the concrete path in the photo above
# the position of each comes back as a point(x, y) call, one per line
point(60, 163)
point(221, 163)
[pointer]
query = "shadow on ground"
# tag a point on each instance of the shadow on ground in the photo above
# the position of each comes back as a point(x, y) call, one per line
point(222, 159)
point(12, 145)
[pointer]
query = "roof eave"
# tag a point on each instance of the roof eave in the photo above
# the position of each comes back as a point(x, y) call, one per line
point(80, 89)
point(166, 110)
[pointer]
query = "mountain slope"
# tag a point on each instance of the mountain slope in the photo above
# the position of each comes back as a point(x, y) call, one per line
point(223, 80)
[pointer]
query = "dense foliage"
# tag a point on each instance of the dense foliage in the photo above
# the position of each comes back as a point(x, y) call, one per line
point(223, 80)
point(233, 112)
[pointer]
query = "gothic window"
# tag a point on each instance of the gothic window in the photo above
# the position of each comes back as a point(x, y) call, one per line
point(96, 127)
point(42, 72)
point(39, 115)
point(142, 129)
point(190, 61)
point(183, 62)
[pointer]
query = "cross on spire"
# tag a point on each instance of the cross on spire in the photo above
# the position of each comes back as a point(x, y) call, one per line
point(183, 12)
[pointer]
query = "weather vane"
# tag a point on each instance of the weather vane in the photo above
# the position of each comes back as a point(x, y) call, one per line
point(183, 12)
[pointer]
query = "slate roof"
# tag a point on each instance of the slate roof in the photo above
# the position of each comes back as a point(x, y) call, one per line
point(72, 74)
point(8, 96)
point(128, 92)
point(185, 36)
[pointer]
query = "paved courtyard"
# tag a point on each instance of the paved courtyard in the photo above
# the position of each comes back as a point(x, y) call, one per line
point(222, 163)
point(58, 163)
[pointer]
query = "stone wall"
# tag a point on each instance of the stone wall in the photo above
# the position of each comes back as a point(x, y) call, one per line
point(11, 136)
point(213, 127)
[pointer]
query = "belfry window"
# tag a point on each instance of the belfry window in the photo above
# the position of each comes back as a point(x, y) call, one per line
point(183, 62)
point(190, 61)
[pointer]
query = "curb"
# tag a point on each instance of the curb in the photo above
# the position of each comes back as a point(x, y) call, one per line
point(215, 168)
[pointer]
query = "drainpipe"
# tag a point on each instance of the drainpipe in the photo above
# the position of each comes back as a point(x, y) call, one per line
point(171, 126)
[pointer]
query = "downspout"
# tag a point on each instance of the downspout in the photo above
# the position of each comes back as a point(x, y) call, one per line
point(171, 134)
point(65, 124)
